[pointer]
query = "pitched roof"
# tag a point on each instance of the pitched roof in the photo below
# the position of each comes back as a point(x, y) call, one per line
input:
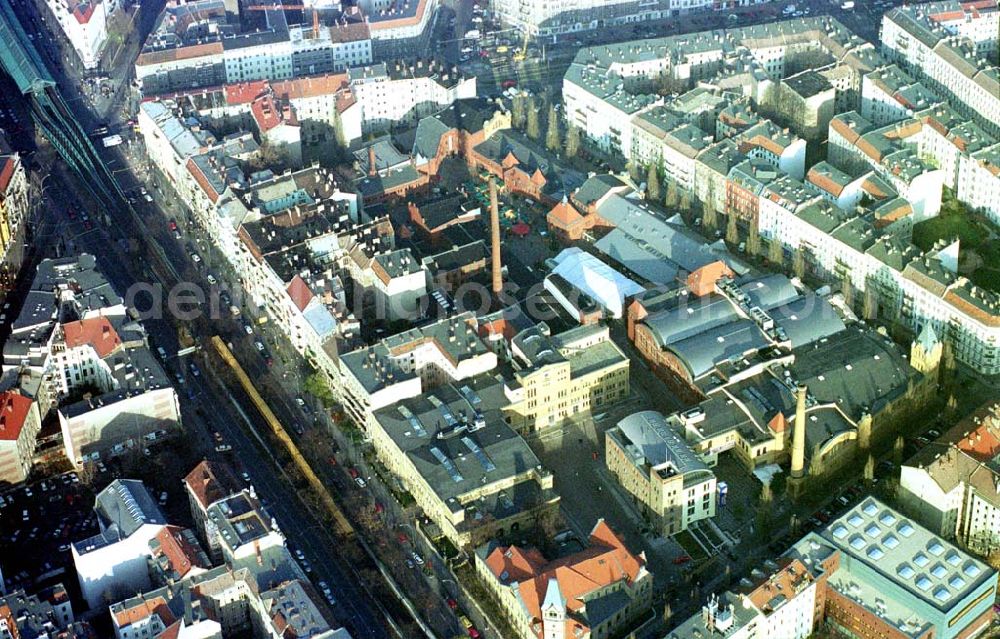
point(7, 171)
point(300, 293)
point(95, 331)
point(604, 562)
point(564, 215)
point(145, 609)
point(180, 550)
point(211, 481)
point(14, 409)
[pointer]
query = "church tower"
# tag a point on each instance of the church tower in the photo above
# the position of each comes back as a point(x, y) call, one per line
point(926, 351)
point(553, 612)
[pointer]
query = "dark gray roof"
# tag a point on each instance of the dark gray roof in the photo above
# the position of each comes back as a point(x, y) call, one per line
point(856, 369)
point(769, 291)
point(688, 315)
point(700, 353)
point(595, 188)
point(806, 319)
point(126, 505)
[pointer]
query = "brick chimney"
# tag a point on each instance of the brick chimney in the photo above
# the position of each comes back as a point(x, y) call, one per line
point(495, 238)
point(372, 172)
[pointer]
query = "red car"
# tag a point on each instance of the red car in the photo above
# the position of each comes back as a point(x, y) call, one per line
point(332, 460)
point(353, 473)
point(379, 508)
point(172, 225)
point(683, 559)
point(452, 604)
point(402, 538)
point(509, 83)
point(473, 633)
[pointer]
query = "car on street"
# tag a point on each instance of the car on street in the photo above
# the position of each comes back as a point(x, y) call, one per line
point(680, 560)
point(211, 279)
point(248, 329)
point(259, 345)
point(195, 258)
point(223, 448)
point(417, 558)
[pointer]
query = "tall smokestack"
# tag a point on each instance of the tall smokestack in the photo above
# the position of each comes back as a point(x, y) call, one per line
point(799, 434)
point(371, 162)
point(495, 237)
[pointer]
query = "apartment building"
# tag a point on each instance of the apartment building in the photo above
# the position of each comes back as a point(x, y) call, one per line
point(887, 576)
point(176, 57)
point(47, 614)
point(889, 94)
point(951, 486)
point(854, 143)
point(903, 283)
point(20, 423)
point(467, 469)
point(407, 364)
point(607, 86)
point(398, 93)
point(85, 25)
point(114, 562)
point(595, 593)
point(226, 602)
point(653, 463)
point(220, 49)
point(175, 554)
point(14, 212)
point(563, 377)
point(950, 46)
point(781, 600)
point(207, 483)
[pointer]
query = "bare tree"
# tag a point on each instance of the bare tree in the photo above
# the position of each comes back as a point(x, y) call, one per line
point(534, 126)
point(553, 140)
point(732, 231)
point(572, 141)
point(653, 182)
point(753, 237)
point(709, 216)
point(775, 252)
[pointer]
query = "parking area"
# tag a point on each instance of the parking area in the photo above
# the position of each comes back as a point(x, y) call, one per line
point(38, 521)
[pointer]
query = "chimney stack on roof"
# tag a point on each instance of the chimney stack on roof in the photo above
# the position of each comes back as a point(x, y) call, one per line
point(371, 162)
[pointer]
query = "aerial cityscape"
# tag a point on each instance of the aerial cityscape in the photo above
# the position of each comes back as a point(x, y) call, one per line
point(501, 319)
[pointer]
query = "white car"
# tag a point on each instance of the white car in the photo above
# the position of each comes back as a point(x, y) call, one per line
point(195, 258)
point(211, 279)
point(360, 481)
point(417, 558)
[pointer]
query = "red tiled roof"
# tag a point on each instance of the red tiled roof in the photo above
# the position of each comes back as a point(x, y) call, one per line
point(147, 608)
point(211, 481)
point(6, 171)
point(245, 92)
point(171, 632)
point(95, 331)
point(564, 215)
point(310, 86)
point(180, 53)
point(269, 113)
point(299, 291)
point(14, 408)
point(605, 562)
point(179, 552)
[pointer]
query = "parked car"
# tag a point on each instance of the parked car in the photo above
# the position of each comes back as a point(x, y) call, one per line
point(681, 560)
